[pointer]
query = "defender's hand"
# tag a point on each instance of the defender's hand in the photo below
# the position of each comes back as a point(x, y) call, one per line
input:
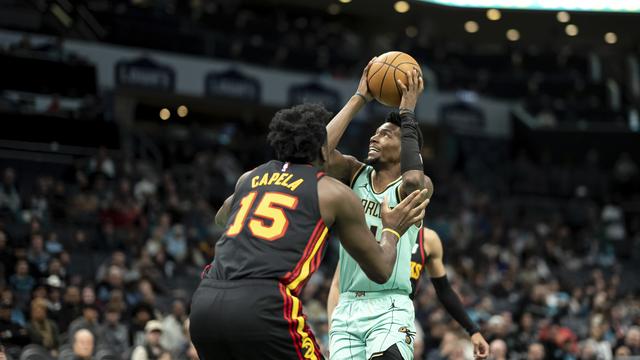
point(408, 212)
point(412, 90)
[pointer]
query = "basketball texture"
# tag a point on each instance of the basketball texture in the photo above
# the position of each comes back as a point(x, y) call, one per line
point(384, 73)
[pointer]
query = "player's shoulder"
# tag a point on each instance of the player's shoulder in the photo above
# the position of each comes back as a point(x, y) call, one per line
point(430, 234)
point(360, 170)
point(331, 185)
point(431, 239)
point(244, 177)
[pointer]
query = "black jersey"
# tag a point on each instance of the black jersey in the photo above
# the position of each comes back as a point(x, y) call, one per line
point(275, 229)
point(418, 260)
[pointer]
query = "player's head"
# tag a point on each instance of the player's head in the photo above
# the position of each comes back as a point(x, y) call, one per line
point(299, 135)
point(384, 145)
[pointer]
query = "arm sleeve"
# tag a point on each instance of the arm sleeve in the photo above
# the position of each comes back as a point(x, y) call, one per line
point(411, 142)
point(451, 302)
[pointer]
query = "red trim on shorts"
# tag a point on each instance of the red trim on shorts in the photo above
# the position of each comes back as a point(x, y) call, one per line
point(287, 307)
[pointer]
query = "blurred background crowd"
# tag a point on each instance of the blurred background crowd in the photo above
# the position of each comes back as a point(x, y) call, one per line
point(111, 174)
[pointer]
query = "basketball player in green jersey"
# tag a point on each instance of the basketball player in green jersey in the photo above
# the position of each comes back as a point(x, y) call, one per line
point(369, 320)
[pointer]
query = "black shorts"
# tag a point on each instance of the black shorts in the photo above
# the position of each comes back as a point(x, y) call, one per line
point(249, 319)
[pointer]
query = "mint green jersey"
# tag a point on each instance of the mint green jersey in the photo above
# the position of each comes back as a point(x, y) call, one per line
point(352, 278)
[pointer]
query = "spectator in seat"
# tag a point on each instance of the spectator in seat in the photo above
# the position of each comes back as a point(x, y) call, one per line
point(42, 330)
point(632, 340)
point(12, 335)
point(83, 344)
point(142, 314)
point(151, 349)
point(498, 349)
point(71, 307)
point(173, 336)
point(113, 334)
point(21, 282)
point(536, 352)
point(37, 254)
point(88, 320)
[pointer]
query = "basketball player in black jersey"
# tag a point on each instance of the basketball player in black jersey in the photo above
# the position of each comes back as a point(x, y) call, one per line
point(276, 226)
point(428, 252)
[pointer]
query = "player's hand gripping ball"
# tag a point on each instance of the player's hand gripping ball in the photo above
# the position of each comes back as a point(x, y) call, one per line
point(384, 73)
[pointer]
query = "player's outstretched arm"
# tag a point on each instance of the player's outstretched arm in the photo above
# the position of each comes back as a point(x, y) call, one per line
point(222, 216)
point(446, 295)
point(343, 167)
point(342, 209)
point(411, 137)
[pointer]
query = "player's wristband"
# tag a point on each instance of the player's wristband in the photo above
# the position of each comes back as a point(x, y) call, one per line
point(392, 231)
point(358, 93)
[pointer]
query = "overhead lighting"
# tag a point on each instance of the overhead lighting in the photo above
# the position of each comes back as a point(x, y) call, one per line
point(471, 26)
point(610, 38)
point(513, 35)
point(563, 16)
point(494, 14)
point(165, 114)
point(345, 1)
point(411, 31)
point(183, 111)
point(401, 6)
point(334, 9)
point(571, 30)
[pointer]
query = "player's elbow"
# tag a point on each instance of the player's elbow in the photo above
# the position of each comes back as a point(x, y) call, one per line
point(412, 181)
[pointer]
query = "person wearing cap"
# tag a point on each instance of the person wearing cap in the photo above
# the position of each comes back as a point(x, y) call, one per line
point(151, 348)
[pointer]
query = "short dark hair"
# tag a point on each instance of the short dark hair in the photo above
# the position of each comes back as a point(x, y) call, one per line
point(297, 134)
point(394, 118)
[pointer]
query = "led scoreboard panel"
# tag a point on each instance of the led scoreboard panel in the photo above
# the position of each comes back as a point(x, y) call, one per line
point(632, 6)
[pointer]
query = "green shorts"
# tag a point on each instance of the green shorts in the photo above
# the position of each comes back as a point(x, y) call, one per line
point(365, 325)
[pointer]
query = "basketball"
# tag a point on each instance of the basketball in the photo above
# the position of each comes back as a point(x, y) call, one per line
point(384, 73)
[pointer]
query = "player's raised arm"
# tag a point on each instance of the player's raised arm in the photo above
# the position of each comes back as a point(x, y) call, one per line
point(340, 207)
point(413, 177)
point(341, 166)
